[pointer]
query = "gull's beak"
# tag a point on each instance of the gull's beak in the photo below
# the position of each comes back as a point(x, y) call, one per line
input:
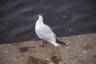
point(34, 18)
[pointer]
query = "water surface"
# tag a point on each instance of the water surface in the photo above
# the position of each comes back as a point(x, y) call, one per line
point(65, 17)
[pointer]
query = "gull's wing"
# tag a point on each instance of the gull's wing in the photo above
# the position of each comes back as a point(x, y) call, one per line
point(45, 32)
point(50, 30)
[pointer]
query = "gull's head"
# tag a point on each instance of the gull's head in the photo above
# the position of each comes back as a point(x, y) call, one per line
point(36, 17)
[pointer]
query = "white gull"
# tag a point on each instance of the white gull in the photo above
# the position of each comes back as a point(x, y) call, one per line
point(45, 32)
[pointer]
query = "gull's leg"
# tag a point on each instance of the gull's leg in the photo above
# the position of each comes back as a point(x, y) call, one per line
point(44, 43)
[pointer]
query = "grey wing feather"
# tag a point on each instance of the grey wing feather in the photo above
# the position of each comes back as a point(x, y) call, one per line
point(51, 30)
point(46, 33)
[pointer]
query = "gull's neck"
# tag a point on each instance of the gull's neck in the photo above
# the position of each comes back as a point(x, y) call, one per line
point(40, 20)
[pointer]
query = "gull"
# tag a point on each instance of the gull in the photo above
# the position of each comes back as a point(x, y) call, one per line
point(44, 32)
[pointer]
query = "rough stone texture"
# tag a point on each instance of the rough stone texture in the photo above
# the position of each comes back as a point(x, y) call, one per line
point(80, 49)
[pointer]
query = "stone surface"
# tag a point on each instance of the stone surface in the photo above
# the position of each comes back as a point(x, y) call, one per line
point(80, 49)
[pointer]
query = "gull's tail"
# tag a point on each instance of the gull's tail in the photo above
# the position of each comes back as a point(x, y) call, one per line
point(59, 42)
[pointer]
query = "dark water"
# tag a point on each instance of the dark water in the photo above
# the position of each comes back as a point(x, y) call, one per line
point(65, 17)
